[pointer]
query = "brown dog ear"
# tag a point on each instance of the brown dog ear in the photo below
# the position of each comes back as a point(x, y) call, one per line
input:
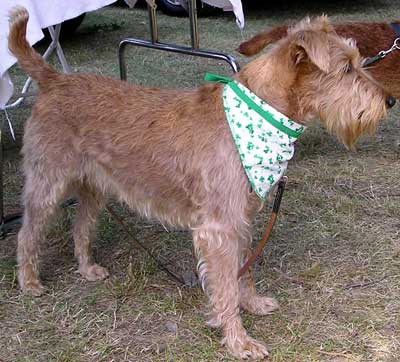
point(313, 46)
point(261, 40)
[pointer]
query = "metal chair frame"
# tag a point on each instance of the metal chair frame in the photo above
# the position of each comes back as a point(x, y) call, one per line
point(194, 50)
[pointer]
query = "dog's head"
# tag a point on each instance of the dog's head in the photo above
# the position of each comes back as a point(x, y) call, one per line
point(312, 73)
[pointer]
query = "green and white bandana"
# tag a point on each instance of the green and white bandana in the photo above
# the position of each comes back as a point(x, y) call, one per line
point(263, 136)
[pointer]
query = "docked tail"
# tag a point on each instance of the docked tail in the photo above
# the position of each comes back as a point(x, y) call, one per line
point(30, 61)
point(261, 40)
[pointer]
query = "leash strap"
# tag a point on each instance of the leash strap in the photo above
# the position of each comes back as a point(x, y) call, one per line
point(268, 229)
point(160, 264)
point(249, 262)
point(282, 183)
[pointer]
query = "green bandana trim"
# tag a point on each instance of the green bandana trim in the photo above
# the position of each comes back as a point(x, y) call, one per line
point(263, 136)
point(251, 104)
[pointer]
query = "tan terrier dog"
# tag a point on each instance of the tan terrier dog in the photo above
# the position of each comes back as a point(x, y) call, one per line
point(371, 38)
point(171, 156)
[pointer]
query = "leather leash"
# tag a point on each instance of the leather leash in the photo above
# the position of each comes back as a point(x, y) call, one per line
point(267, 232)
point(257, 251)
point(160, 264)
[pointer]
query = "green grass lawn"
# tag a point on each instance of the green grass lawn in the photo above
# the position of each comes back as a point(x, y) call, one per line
point(333, 261)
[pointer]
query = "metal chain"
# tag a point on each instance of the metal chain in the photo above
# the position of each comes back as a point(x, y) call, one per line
point(395, 46)
point(382, 53)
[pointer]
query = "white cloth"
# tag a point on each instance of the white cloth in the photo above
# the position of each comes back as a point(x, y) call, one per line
point(226, 5)
point(6, 89)
point(42, 13)
point(230, 5)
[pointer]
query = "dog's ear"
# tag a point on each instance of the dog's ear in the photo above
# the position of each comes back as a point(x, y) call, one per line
point(311, 41)
point(258, 42)
point(313, 46)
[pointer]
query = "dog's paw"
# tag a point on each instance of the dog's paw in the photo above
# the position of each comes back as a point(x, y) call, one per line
point(246, 347)
point(259, 305)
point(32, 287)
point(94, 272)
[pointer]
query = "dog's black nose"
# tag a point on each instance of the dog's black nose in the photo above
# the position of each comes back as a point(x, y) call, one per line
point(390, 101)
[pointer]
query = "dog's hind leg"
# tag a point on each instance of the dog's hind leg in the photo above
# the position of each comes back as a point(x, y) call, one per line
point(41, 198)
point(89, 205)
point(218, 266)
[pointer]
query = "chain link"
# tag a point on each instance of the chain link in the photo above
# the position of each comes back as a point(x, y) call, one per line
point(382, 53)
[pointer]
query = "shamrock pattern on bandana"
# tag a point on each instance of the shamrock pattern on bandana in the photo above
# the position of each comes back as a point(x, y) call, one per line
point(265, 141)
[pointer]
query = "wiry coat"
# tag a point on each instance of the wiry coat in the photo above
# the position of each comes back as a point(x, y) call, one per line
point(170, 155)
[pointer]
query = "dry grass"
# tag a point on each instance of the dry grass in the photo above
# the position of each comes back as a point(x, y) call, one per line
point(333, 261)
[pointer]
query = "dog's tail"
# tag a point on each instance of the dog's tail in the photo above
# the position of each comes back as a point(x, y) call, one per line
point(261, 40)
point(30, 61)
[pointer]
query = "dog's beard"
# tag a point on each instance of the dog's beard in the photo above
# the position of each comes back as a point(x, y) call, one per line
point(355, 115)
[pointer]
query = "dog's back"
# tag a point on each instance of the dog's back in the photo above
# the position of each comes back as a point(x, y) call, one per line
point(88, 112)
point(86, 126)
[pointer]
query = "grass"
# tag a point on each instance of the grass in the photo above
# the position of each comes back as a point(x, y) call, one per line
point(333, 262)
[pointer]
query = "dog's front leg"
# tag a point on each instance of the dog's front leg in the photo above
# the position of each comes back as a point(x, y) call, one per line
point(250, 300)
point(218, 264)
